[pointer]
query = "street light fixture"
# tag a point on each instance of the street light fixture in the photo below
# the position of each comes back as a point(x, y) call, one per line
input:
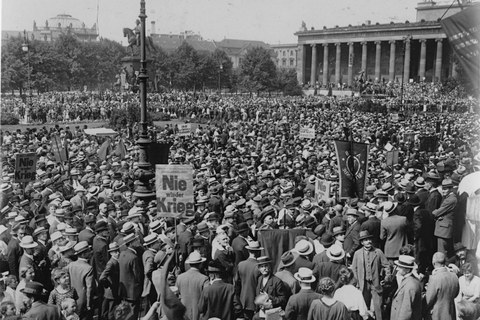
point(219, 73)
point(143, 174)
point(406, 40)
point(26, 49)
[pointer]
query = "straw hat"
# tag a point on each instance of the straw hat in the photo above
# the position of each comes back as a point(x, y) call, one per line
point(305, 275)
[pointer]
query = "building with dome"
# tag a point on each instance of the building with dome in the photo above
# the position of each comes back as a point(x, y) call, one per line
point(54, 27)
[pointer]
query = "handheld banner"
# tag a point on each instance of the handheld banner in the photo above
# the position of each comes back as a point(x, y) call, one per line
point(184, 129)
point(174, 190)
point(322, 190)
point(352, 159)
point(25, 167)
point(307, 133)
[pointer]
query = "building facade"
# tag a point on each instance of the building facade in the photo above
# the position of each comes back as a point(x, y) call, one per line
point(285, 55)
point(417, 51)
point(236, 49)
point(54, 27)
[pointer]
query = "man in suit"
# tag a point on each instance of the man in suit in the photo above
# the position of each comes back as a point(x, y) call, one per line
point(444, 218)
point(81, 278)
point(246, 279)
point(131, 274)
point(372, 224)
point(393, 230)
point(240, 242)
point(14, 251)
point(407, 300)
point(27, 259)
point(79, 200)
point(100, 248)
point(434, 198)
point(219, 299)
point(185, 237)
point(39, 310)
point(109, 279)
point(423, 226)
point(351, 243)
point(191, 284)
point(88, 234)
point(152, 245)
point(299, 304)
point(368, 264)
point(270, 284)
point(442, 289)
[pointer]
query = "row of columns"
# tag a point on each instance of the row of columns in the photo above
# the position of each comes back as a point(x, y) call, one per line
point(378, 54)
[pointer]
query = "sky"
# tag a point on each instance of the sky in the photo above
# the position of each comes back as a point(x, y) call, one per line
point(271, 21)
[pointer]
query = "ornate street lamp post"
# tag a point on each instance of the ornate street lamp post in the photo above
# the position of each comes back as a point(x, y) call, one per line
point(144, 173)
point(219, 81)
point(25, 48)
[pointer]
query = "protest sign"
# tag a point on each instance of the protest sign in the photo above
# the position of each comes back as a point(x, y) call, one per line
point(307, 133)
point(174, 190)
point(352, 159)
point(25, 167)
point(184, 129)
point(394, 117)
point(322, 190)
point(392, 157)
point(59, 150)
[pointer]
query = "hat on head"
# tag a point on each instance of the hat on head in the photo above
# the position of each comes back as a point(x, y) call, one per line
point(304, 247)
point(447, 183)
point(241, 227)
point(420, 182)
point(129, 238)
point(288, 258)
point(33, 288)
point(414, 200)
point(305, 275)
point(202, 227)
point(56, 235)
point(335, 253)
point(198, 242)
point(338, 230)
point(155, 225)
point(432, 175)
point(254, 246)
point(70, 232)
point(405, 261)
point(352, 212)
point(27, 242)
point(113, 247)
point(80, 247)
point(263, 260)
point(364, 234)
point(2, 229)
point(89, 218)
point(150, 239)
point(389, 206)
point(101, 226)
point(195, 258)
point(458, 246)
point(400, 197)
point(80, 189)
point(69, 246)
point(387, 186)
point(327, 239)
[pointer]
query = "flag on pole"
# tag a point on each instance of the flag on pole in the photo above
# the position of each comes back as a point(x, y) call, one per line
point(428, 143)
point(352, 159)
point(158, 153)
point(104, 150)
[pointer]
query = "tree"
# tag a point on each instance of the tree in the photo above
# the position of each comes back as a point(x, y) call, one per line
point(257, 70)
point(287, 82)
point(185, 61)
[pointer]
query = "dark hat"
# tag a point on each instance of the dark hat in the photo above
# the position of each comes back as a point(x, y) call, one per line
point(33, 288)
point(400, 197)
point(215, 267)
point(268, 211)
point(310, 222)
point(364, 234)
point(81, 247)
point(327, 239)
point(202, 227)
point(242, 226)
point(198, 242)
point(447, 183)
point(414, 200)
point(213, 216)
point(287, 259)
point(319, 230)
point(101, 226)
point(458, 246)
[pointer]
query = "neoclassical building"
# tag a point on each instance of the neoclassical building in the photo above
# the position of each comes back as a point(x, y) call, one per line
point(416, 51)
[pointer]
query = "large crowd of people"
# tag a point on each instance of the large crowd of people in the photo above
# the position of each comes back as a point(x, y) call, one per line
point(76, 242)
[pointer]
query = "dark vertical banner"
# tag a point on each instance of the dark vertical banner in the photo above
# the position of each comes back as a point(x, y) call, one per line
point(158, 153)
point(352, 159)
point(463, 32)
point(428, 143)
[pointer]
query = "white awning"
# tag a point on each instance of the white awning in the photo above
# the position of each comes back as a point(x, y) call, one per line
point(101, 132)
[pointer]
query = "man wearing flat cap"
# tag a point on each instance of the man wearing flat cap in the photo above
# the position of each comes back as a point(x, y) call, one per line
point(39, 310)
